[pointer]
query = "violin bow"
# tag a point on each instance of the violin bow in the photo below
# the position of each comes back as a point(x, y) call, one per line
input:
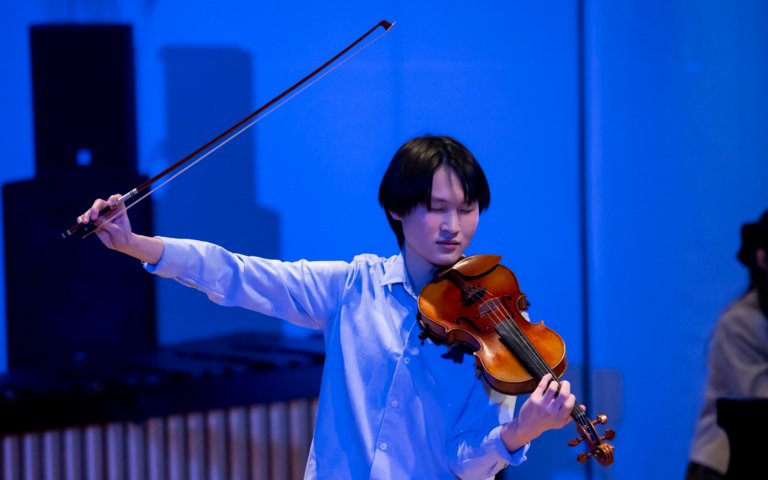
point(85, 229)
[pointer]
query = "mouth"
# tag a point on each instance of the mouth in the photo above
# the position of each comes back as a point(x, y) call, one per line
point(448, 245)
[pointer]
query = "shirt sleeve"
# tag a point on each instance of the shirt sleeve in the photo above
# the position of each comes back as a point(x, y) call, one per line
point(476, 443)
point(304, 293)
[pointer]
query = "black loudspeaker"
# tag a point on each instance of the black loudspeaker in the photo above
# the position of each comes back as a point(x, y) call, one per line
point(71, 300)
point(84, 98)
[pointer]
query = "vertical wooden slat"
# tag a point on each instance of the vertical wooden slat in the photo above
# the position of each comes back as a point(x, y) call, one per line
point(156, 462)
point(115, 461)
point(237, 434)
point(53, 466)
point(11, 458)
point(298, 436)
point(94, 452)
point(177, 458)
point(258, 442)
point(196, 445)
point(216, 427)
point(73, 454)
point(278, 441)
point(136, 451)
point(313, 402)
point(31, 455)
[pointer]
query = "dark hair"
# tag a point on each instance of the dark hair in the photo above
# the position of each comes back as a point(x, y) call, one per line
point(754, 236)
point(407, 182)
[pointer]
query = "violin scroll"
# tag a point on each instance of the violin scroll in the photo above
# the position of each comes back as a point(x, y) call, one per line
point(602, 452)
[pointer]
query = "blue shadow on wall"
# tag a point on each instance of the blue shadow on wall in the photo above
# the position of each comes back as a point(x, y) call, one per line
point(208, 89)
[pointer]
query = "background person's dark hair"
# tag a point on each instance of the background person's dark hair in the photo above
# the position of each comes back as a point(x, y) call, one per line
point(407, 182)
point(754, 236)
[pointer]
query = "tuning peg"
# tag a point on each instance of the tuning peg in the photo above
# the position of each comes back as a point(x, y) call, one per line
point(603, 455)
point(601, 419)
point(575, 441)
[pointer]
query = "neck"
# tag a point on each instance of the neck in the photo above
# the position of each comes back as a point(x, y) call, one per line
point(420, 273)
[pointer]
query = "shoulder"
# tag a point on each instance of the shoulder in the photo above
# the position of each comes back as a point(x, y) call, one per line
point(376, 267)
point(744, 317)
point(373, 260)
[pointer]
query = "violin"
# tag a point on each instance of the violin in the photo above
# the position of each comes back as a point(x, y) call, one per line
point(477, 303)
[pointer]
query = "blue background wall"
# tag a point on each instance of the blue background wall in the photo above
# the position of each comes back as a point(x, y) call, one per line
point(675, 118)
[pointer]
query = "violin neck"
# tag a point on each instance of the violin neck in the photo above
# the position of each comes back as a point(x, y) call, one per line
point(518, 342)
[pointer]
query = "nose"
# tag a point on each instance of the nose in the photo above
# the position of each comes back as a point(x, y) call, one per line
point(450, 222)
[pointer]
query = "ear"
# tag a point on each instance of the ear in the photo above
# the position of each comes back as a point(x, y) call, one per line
point(761, 258)
point(395, 216)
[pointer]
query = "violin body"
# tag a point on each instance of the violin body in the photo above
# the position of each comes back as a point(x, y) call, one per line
point(477, 303)
point(447, 317)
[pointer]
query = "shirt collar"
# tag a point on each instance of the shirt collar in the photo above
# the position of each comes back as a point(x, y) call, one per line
point(394, 273)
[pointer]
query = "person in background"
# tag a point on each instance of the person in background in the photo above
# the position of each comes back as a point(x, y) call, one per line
point(738, 356)
point(389, 406)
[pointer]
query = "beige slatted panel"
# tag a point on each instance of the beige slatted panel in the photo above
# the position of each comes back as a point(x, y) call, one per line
point(256, 442)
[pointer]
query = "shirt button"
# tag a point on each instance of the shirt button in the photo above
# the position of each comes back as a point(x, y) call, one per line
point(394, 403)
point(406, 360)
point(383, 446)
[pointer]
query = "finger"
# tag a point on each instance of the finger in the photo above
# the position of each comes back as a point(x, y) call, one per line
point(553, 390)
point(112, 200)
point(564, 400)
point(541, 388)
point(570, 402)
point(93, 212)
point(100, 205)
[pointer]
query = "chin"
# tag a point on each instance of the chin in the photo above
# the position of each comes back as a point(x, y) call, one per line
point(445, 260)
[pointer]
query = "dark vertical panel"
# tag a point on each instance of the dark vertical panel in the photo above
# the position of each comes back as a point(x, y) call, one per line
point(584, 217)
point(84, 98)
point(68, 299)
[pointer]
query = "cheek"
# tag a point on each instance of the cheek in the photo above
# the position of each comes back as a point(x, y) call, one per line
point(414, 228)
point(469, 225)
point(423, 225)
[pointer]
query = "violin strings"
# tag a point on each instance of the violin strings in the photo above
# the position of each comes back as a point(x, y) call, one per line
point(532, 358)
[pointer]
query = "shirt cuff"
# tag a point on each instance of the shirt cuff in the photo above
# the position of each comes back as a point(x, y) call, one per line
point(513, 458)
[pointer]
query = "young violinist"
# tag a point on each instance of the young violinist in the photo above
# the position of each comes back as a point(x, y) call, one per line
point(389, 406)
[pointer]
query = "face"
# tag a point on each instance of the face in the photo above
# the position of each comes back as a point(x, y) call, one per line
point(437, 236)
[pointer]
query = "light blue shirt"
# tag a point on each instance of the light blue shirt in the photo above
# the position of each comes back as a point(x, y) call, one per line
point(389, 407)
